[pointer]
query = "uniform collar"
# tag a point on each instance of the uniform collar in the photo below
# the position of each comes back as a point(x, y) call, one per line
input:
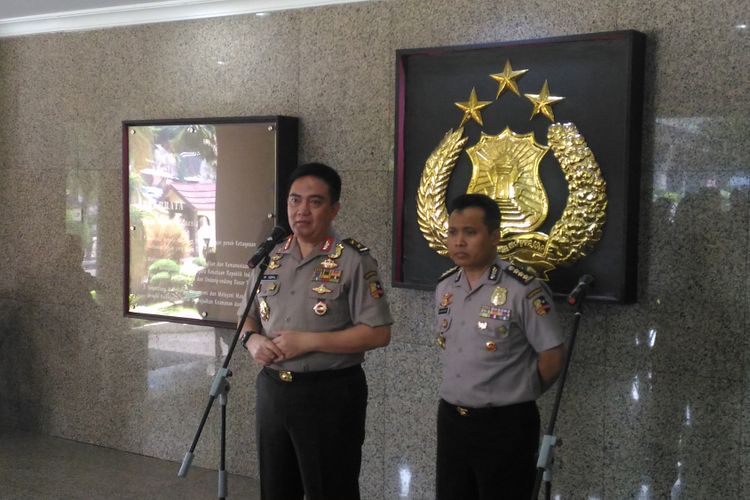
point(491, 275)
point(291, 245)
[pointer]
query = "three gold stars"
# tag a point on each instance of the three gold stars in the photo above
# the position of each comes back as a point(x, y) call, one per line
point(472, 107)
point(507, 79)
point(542, 102)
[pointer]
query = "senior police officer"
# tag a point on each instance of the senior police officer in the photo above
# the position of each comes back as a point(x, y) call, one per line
point(501, 347)
point(320, 306)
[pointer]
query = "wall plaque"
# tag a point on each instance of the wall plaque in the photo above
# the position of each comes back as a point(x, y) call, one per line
point(200, 195)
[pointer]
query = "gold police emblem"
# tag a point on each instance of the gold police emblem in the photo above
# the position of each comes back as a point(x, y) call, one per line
point(505, 167)
point(499, 296)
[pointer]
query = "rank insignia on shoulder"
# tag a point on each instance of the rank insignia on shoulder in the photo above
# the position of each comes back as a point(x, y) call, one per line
point(521, 276)
point(447, 273)
point(370, 274)
point(359, 247)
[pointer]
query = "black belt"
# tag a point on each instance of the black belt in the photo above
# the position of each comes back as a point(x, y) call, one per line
point(488, 411)
point(287, 376)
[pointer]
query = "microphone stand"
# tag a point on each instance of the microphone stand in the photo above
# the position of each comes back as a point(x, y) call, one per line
point(546, 450)
point(220, 387)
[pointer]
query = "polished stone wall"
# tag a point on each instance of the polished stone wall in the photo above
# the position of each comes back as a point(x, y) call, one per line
point(657, 402)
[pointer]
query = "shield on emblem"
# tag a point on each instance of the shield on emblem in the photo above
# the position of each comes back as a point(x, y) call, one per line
point(506, 168)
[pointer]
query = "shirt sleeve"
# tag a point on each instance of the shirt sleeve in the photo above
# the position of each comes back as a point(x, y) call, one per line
point(541, 322)
point(367, 301)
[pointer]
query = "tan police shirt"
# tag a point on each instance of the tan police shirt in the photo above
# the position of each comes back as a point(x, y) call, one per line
point(490, 336)
point(335, 287)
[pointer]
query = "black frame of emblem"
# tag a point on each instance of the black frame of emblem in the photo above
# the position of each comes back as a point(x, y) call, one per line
point(430, 80)
point(285, 147)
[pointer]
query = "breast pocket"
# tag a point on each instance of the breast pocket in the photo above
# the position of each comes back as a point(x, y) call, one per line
point(268, 288)
point(501, 337)
point(329, 301)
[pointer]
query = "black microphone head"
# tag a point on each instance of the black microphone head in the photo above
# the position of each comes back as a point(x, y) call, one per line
point(277, 234)
point(586, 279)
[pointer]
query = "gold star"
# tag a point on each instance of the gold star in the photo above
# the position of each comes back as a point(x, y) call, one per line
point(507, 79)
point(542, 102)
point(471, 108)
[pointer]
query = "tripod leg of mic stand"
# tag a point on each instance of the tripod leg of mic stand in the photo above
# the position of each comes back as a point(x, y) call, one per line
point(544, 464)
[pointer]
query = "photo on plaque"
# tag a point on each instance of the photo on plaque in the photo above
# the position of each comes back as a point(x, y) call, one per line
point(550, 129)
point(200, 195)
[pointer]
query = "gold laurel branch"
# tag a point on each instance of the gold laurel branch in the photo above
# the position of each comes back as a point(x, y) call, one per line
point(432, 214)
point(582, 221)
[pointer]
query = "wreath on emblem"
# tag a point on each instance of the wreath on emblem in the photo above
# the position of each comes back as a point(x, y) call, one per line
point(506, 168)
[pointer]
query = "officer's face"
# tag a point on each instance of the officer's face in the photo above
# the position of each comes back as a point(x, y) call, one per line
point(470, 243)
point(310, 209)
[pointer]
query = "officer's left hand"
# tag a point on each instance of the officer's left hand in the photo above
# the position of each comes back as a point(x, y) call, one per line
point(292, 343)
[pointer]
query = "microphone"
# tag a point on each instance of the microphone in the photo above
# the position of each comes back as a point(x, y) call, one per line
point(579, 292)
point(277, 234)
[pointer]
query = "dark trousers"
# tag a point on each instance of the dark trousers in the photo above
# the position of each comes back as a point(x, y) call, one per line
point(488, 454)
point(310, 433)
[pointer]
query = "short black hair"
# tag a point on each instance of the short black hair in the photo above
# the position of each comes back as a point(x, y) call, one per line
point(322, 172)
point(491, 210)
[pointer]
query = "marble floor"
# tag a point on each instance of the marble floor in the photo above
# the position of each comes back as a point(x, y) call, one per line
point(42, 467)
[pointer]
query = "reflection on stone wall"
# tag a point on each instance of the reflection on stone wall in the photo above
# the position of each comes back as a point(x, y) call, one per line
point(656, 403)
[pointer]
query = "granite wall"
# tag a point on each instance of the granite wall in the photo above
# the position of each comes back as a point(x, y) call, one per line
point(657, 401)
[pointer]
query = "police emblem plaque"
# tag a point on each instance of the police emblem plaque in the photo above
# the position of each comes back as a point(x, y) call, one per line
point(533, 126)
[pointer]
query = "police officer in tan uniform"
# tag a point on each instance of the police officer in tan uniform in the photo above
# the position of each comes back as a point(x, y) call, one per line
point(501, 347)
point(320, 306)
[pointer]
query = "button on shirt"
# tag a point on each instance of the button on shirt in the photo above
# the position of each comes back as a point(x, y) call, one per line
point(490, 349)
point(348, 294)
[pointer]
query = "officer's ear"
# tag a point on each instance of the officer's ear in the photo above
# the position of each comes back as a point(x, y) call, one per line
point(336, 207)
point(495, 237)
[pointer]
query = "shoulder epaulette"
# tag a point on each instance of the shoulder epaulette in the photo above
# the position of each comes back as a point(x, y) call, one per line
point(356, 245)
point(447, 273)
point(521, 276)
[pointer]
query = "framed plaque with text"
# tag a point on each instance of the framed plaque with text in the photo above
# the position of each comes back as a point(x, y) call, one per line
point(199, 196)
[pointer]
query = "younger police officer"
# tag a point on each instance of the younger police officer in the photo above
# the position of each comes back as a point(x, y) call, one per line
point(502, 346)
point(319, 308)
